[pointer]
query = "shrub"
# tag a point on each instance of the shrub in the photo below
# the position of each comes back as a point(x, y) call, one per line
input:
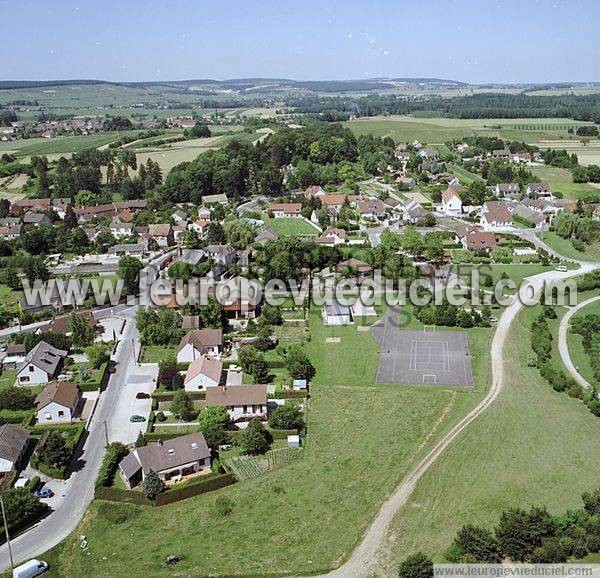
point(152, 485)
point(113, 455)
point(255, 439)
point(16, 398)
point(416, 566)
point(286, 416)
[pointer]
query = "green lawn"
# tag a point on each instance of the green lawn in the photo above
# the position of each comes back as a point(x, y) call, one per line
point(7, 377)
point(532, 446)
point(156, 353)
point(464, 176)
point(566, 249)
point(291, 226)
point(361, 442)
point(561, 181)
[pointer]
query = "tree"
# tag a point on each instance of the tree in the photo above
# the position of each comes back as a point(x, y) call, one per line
point(82, 334)
point(591, 502)
point(298, 364)
point(416, 566)
point(22, 508)
point(70, 220)
point(55, 451)
point(254, 439)
point(520, 532)
point(152, 485)
point(211, 314)
point(15, 398)
point(141, 440)
point(286, 416)
point(34, 269)
point(182, 405)
point(272, 314)
point(213, 422)
point(97, 354)
point(263, 340)
point(215, 233)
point(477, 544)
point(4, 208)
point(254, 363)
point(129, 270)
point(239, 233)
point(199, 130)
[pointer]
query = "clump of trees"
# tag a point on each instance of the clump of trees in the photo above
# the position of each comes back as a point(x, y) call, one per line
point(158, 326)
point(254, 439)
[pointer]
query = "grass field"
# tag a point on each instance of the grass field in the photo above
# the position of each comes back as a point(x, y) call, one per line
point(361, 442)
point(290, 226)
point(440, 130)
point(574, 341)
point(566, 249)
point(512, 455)
point(465, 177)
point(561, 181)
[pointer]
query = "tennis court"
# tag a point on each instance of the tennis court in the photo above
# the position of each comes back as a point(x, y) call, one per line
point(427, 356)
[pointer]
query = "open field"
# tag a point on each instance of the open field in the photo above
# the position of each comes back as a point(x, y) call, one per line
point(290, 226)
point(62, 144)
point(561, 180)
point(586, 154)
point(512, 455)
point(361, 442)
point(565, 247)
point(440, 130)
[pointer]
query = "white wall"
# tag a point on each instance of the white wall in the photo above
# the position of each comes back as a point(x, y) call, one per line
point(53, 410)
point(36, 376)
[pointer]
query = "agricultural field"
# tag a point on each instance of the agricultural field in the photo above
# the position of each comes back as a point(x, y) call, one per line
point(61, 144)
point(291, 226)
point(441, 130)
point(510, 456)
point(588, 154)
point(561, 180)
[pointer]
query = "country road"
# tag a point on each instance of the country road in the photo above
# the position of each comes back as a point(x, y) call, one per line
point(363, 561)
point(563, 347)
point(79, 488)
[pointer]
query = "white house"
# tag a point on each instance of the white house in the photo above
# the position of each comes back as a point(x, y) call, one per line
point(58, 402)
point(338, 235)
point(334, 313)
point(280, 210)
point(539, 190)
point(495, 215)
point(199, 342)
point(200, 226)
point(204, 214)
point(119, 229)
point(451, 202)
point(204, 372)
point(13, 445)
point(171, 459)
point(243, 402)
point(40, 365)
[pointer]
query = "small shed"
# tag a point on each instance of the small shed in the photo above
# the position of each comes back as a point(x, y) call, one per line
point(299, 384)
point(293, 441)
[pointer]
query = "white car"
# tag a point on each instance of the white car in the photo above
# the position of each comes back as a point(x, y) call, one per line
point(561, 268)
point(30, 569)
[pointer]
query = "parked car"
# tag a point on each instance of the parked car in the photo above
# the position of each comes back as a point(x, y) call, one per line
point(43, 493)
point(137, 418)
point(30, 569)
point(142, 395)
point(493, 319)
point(3, 347)
point(561, 268)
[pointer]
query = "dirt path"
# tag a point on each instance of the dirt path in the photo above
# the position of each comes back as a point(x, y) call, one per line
point(363, 561)
point(563, 347)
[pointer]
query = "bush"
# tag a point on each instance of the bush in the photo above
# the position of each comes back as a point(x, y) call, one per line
point(152, 485)
point(286, 417)
point(416, 566)
point(16, 398)
point(255, 439)
point(22, 509)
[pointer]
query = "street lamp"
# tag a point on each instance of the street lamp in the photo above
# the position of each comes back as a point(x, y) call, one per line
point(12, 564)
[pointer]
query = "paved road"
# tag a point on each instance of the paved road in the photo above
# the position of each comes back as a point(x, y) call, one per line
point(563, 348)
point(363, 560)
point(79, 488)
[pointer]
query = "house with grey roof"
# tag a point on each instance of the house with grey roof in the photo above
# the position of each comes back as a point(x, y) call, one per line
point(242, 402)
point(41, 364)
point(13, 445)
point(171, 459)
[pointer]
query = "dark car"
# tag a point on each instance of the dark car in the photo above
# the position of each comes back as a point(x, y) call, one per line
point(137, 418)
point(142, 395)
point(43, 493)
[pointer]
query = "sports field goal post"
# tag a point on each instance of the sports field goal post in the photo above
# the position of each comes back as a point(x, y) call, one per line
point(428, 328)
point(429, 379)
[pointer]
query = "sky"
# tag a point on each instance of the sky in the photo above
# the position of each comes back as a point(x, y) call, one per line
point(476, 41)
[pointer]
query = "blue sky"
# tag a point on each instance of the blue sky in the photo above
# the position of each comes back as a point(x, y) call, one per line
point(471, 40)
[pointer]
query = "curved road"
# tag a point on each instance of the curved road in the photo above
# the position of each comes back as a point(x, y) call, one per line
point(563, 348)
point(363, 560)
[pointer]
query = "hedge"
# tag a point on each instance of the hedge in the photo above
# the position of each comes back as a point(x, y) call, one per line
point(97, 383)
point(164, 395)
point(60, 474)
point(204, 485)
point(17, 417)
point(194, 489)
point(289, 394)
point(115, 452)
